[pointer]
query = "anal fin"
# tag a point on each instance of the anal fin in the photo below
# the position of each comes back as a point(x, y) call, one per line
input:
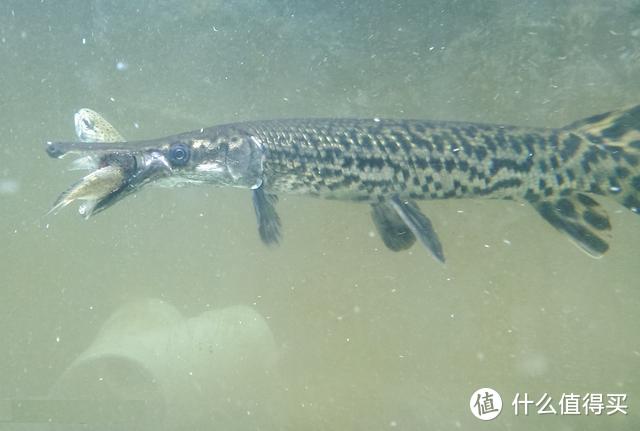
point(395, 234)
point(268, 219)
point(580, 217)
point(419, 225)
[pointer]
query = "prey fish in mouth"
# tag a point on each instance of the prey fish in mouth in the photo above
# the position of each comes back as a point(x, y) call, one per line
point(390, 164)
point(110, 169)
point(106, 178)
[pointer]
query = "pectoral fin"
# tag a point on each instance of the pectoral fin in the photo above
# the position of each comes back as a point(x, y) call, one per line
point(580, 217)
point(419, 225)
point(268, 219)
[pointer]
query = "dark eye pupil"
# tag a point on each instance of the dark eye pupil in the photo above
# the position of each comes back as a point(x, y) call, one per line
point(179, 154)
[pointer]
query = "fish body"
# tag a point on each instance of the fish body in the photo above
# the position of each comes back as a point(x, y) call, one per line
point(392, 163)
point(91, 188)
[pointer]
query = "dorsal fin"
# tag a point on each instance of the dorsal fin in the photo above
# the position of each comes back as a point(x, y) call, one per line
point(620, 127)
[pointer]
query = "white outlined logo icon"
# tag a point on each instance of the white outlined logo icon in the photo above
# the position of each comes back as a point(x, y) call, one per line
point(485, 404)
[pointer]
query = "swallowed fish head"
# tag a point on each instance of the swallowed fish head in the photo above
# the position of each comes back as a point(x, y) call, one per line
point(92, 127)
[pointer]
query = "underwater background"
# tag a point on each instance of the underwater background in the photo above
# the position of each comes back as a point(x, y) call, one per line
point(361, 337)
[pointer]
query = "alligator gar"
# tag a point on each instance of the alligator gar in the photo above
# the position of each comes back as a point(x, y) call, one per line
point(391, 164)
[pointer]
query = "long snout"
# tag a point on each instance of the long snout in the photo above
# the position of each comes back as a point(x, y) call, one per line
point(59, 149)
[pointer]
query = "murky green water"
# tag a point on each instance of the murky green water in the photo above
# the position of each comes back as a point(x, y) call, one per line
point(337, 332)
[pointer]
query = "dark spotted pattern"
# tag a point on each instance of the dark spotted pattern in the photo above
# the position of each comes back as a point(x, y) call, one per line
point(365, 159)
point(570, 147)
point(629, 121)
point(633, 203)
point(565, 208)
point(589, 240)
point(596, 220)
point(586, 200)
point(371, 160)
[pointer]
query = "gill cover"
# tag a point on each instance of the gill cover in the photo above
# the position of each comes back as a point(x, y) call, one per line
point(244, 160)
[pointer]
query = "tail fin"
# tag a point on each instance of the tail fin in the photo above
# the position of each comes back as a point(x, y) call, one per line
point(616, 135)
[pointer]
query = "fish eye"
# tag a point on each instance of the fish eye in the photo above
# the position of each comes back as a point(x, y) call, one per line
point(178, 154)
